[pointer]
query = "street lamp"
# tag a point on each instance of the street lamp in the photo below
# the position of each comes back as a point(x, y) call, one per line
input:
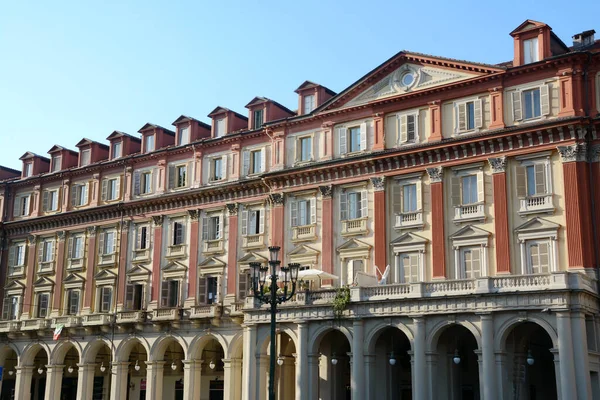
point(289, 276)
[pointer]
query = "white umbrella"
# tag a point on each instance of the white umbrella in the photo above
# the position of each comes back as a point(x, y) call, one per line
point(315, 274)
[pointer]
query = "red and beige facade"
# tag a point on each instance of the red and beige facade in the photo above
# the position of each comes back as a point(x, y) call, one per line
point(458, 200)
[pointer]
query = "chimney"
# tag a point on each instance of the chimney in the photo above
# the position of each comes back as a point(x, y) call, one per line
point(583, 39)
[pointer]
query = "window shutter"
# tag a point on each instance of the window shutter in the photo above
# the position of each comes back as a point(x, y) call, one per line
point(74, 301)
point(129, 297)
point(136, 183)
point(242, 285)
point(45, 200)
point(521, 174)
point(462, 117)
point(181, 233)
point(363, 136)
point(403, 128)
point(138, 237)
point(70, 248)
point(40, 251)
point(342, 137)
point(74, 195)
point(114, 243)
point(17, 207)
point(101, 243)
point(202, 291)
point(455, 190)
point(151, 176)
point(205, 221)
point(189, 171)
point(544, 257)
point(364, 204)
point(244, 222)
point(104, 190)
point(27, 205)
point(478, 107)
point(6, 308)
point(220, 228)
point(81, 247)
point(118, 188)
point(224, 167)
point(313, 211)
point(419, 196)
point(261, 221)
point(12, 255)
point(171, 173)
point(480, 187)
point(540, 179)
point(294, 212)
point(263, 160)
point(545, 99)
point(397, 194)
point(343, 206)
point(86, 190)
point(516, 106)
point(246, 163)
point(164, 296)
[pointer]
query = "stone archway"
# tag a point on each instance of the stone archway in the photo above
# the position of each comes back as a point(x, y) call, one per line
point(389, 365)
point(165, 374)
point(8, 361)
point(31, 374)
point(329, 368)
point(62, 375)
point(129, 370)
point(95, 370)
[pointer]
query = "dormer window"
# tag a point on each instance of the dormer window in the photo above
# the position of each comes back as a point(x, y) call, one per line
point(258, 119)
point(56, 162)
point(530, 51)
point(219, 127)
point(85, 157)
point(149, 143)
point(27, 170)
point(184, 135)
point(116, 150)
point(309, 103)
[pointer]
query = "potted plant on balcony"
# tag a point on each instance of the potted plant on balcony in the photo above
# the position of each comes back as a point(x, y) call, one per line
point(340, 301)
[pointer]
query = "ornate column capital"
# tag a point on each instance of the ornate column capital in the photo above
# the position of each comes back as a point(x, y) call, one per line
point(194, 214)
point(31, 239)
point(498, 164)
point(91, 230)
point(125, 224)
point(436, 174)
point(378, 183)
point(232, 208)
point(276, 199)
point(594, 153)
point(574, 152)
point(61, 235)
point(158, 220)
point(326, 191)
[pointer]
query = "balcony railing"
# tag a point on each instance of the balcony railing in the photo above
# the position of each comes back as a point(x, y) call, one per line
point(237, 308)
point(166, 314)
point(97, 319)
point(131, 317)
point(213, 246)
point(253, 241)
point(9, 326)
point(409, 219)
point(176, 250)
point(68, 321)
point(354, 227)
point(469, 212)
point(35, 324)
point(205, 311)
point(305, 232)
point(536, 204)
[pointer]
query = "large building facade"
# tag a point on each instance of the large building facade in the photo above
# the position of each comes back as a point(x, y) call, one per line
point(477, 184)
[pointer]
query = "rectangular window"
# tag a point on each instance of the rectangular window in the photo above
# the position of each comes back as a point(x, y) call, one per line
point(531, 180)
point(149, 143)
point(309, 103)
point(43, 300)
point(256, 161)
point(304, 212)
point(244, 285)
point(213, 227)
point(530, 51)
point(410, 127)
point(116, 150)
point(50, 200)
point(56, 162)
point(170, 294)
point(105, 299)
point(254, 222)
point(532, 104)
point(538, 254)
point(79, 195)
point(217, 169)
point(85, 157)
point(142, 237)
point(111, 189)
point(47, 251)
point(27, 169)
point(211, 289)
point(410, 267)
point(471, 263)
point(133, 296)
point(469, 189)
point(108, 243)
point(353, 205)
point(146, 182)
point(258, 119)
point(184, 136)
point(354, 267)
point(75, 247)
point(11, 308)
point(72, 301)
point(181, 171)
point(219, 127)
point(354, 139)
point(16, 256)
point(409, 198)
point(22, 206)
point(178, 236)
point(305, 148)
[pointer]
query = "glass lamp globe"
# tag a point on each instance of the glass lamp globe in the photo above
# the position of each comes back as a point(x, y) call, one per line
point(102, 367)
point(40, 370)
point(392, 359)
point(280, 361)
point(334, 360)
point(173, 366)
point(212, 364)
point(70, 369)
point(456, 358)
point(530, 359)
point(137, 365)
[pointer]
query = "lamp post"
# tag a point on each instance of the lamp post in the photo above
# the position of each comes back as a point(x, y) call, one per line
point(288, 275)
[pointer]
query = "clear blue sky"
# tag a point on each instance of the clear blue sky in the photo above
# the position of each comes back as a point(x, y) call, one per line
point(74, 69)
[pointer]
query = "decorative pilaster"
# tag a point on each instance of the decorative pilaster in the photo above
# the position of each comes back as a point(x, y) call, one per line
point(438, 236)
point(277, 223)
point(502, 237)
point(577, 205)
point(122, 270)
point(327, 230)
point(232, 254)
point(327, 141)
point(380, 218)
point(435, 121)
point(156, 257)
point(197, 168)
point(60, 261)
point(126, 186)
point(32, 243)
point(235, 161)
point(581, 355)
point(496, 108)
point(89, 268)
point(193, 266)
point(378, 125)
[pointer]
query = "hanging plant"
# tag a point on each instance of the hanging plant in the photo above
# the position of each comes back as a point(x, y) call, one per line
point(341, 301)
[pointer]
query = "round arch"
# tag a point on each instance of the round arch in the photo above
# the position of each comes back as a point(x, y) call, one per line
point(157, 351)
point(61, 349)
point(235, 347)
point(315, 340)
point(124, 348)
point(199, 342)
point(265, 338)
point(91, 350)
point(375, 332)
point(8, 347)
point(511, 323)
point(439, 328)
point(31, 350)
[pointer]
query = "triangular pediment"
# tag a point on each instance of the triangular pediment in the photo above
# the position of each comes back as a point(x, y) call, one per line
point(354, 245)
point(211, 262)
point(105, 275)
point(174, 266)
point(528, 25)
point(409, 239)
point(14, 285)
point(74, 278)
point(43, 282)
point(218, 110)
point(470, 232)
point(138, 270)
point(537, 225)
point(252, 257)
point(304, 250)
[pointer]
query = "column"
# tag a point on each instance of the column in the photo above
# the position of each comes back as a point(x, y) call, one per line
point(438, 237)
point(277, 223)
point(123, 251)
point(85, 380)
point(59, 262)
point(327, 231)
point(502, 237)
point(236, 381)
point(370, 377)
point(54, 375)
point(358, 363)
point(565, 348)
point(89, 268)
point(23, 382)
point(232, 256)
point(313, 376)
point(228, 389)
point(435, 121)
point(192, 376)
point(249, 363)
point(118, 380)
point(193, 266)
point(581, 356)
point(431, 359)
point(380, 229)
point(31, 258)
point(156, 257)
point(262, 366)
point(154, 380)
point(577, 206)
point(502, 381)
point(302, 361)
point(488, 379)
point(419, 378)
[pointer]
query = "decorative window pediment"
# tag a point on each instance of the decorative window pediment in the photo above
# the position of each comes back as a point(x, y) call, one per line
point(245, 261)
point(354, 248)
point(174, 269)
point(14, 288)
point(409, 242)
point(43, 284)
point(211, 266)
point(539, 251)
point(470, 252)
point(537, 227)
point(470, 235)
point(138, 273)
point(105, 277)
point(74, 281)
point(304, 255)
